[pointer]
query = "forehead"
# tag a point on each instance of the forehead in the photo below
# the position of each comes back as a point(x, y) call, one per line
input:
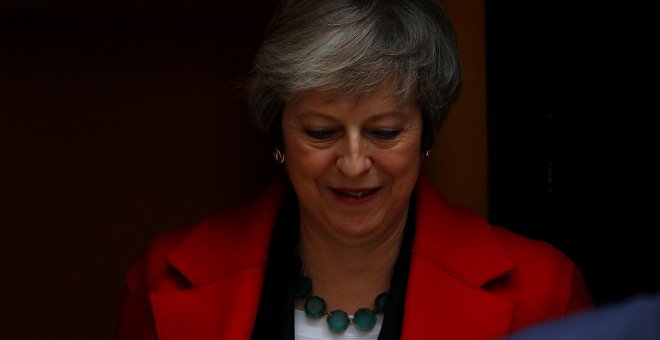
point(325, 101)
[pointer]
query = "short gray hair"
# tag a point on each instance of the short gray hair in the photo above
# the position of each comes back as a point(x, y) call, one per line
point(353, 47)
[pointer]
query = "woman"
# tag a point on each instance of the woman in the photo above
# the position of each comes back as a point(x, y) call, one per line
point(354, 242)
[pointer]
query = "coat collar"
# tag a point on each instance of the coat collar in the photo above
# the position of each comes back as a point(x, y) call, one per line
point(224, 258)
point(457, 240)
point(455, 253)
point(202, 261)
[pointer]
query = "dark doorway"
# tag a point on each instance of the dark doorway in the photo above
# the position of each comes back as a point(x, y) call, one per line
point(570, 137)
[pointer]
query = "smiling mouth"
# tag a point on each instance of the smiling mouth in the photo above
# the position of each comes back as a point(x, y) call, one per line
point(355, 193)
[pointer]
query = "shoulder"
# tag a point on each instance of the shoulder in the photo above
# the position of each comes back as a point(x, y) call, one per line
point(144, 275)
point(544, 282)
point(461, 231)
point(154, 270)
point(182, 257)
point(197, 253)
point(534, 254)
point(539, 264)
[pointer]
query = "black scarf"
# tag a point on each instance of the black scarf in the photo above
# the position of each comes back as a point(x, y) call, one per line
point(275, 316)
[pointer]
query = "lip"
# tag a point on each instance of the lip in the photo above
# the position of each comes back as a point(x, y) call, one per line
point(350, 196)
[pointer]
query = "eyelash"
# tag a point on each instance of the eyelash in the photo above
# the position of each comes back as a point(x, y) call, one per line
point(323, 134)
point(385, 134)
point(320, 134)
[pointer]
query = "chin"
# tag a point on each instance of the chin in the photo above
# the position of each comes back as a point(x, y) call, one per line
point(359, 228)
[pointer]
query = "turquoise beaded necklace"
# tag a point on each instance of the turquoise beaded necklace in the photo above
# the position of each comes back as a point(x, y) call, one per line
point(338, 320)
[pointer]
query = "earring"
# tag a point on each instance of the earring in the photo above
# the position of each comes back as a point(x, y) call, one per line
point(426, 153)
point(279, 155)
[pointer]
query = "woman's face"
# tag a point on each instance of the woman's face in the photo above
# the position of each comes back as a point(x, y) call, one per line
point(353, 162)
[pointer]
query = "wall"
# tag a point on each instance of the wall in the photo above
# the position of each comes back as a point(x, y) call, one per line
point(459, 162)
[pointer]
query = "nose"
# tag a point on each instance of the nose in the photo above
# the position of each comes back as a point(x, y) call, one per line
point(354, 160)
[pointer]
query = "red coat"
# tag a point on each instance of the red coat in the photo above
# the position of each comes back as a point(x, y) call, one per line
point(467, 280)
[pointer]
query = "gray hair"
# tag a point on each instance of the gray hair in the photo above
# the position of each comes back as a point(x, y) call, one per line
point(353, 47)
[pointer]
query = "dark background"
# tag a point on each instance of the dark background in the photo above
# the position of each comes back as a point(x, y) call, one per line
point(571, 92)
point(121, 120)
point(118, 121)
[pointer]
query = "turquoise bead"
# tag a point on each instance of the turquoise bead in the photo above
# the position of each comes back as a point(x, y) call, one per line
point(364, 319)
point(303, 287)
point(338, 321)
point(315, 307)
point(381, 302)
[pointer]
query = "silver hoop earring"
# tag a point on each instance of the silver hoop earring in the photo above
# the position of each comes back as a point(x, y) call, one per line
point(426, 153)
point(278, 155)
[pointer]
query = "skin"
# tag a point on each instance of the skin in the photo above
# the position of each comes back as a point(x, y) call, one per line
point(353, 163)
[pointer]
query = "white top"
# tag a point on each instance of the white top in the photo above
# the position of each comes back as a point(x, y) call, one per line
point(317, 329)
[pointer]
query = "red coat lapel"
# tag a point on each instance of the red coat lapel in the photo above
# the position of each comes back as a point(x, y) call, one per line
point(224, 309)
point(224, 258)
point(455, 253)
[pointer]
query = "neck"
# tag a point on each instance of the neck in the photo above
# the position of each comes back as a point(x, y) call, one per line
point(349, 273)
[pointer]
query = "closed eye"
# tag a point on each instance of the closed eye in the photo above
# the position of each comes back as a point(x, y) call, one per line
point(385, 134)
point(320, 134)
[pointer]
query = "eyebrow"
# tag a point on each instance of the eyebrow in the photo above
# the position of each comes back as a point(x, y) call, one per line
point(378, 116)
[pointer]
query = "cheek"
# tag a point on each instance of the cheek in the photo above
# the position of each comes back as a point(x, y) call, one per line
point(402, 162)
point(305, 162)
point(404, 169)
